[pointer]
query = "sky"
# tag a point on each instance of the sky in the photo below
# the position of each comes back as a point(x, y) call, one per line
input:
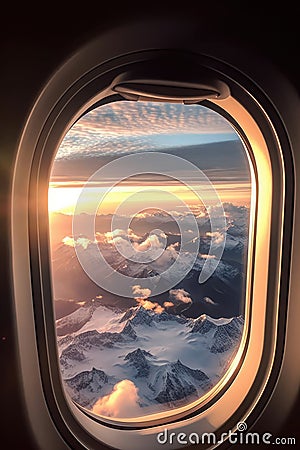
point(193, 132)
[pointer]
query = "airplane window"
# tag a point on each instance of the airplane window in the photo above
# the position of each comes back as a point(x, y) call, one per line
point(149, 215)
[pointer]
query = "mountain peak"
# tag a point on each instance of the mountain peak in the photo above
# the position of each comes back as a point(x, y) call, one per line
point(86, 378)
point(138, 354)
point(175, 381)
point(202, 325)
point(138, 360)
point(138, 315)
point(128, 331)
point(165, 316)
point(87, 385)
point(227, 336)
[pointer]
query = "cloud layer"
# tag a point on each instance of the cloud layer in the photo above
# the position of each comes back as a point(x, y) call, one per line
point(115, 127)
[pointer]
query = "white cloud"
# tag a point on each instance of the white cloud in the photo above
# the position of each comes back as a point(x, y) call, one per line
point(121, 403)
point(84, 242)
point(119, 233)
point(179, 296)
point(68, 241)
point(151, 241)
point(205, 256)
point(132, 246)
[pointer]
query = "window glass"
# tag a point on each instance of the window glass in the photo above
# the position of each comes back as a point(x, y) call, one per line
point(149, 208)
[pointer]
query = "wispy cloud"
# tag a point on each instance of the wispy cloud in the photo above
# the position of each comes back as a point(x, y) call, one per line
point(217, 237)
point(209, 301)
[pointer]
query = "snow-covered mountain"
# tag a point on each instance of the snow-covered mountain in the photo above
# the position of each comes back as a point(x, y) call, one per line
point(226, 333)
point(174, 382)
point(138, 360)
point(171, 359)
point(84, 388)
point(91, 312)
point(74, 321)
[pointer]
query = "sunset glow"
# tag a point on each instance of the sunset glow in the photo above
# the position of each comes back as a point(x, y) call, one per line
point(193, 132)
point(63, 199)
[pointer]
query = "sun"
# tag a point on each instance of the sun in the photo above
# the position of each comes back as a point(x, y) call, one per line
point(62, 200)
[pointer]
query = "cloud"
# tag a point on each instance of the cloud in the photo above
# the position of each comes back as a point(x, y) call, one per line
point(123, 402)
point(80, 303)
point(68, 241)
point(180, 299)
point(114, 234)
point(205, 256)
point(141, 297)
point(168, 256)
point(217, 236)
point(135, 247)
point(126, 127)
point(153, 306)
point(84, 242)
point(180, 296)
point(150, 242)
point(140, 292)
point(209, 301)
point(142, 215)
point(201, 215)
point(169, 304)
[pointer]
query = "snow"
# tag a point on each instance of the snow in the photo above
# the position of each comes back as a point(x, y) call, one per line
point(74, 321)
point(104, 319)
point(219, 321)
point(166, 361)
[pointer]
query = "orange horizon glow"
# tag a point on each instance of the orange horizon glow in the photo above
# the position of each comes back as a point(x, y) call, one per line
point(63, 199)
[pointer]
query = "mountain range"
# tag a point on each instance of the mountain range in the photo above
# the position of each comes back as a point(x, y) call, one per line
point(170, 359)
